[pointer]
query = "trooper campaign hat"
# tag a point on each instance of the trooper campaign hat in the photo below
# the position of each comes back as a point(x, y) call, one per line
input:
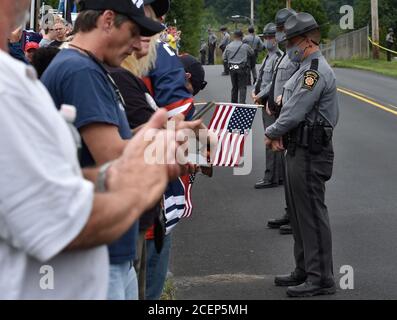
point(238, 33)
point(283, 15)
point(300, 24)
point(269, 30)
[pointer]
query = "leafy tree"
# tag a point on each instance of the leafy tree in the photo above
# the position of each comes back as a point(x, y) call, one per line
point(387, 15)
point(316, 9)
point(269, 9)
point(332, 8)
point(187, 16)
point(226, 8)
point(53, 3)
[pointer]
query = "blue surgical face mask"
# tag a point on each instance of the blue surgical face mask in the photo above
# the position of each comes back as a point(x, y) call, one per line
point(269, 45)
point(280, 36)
point(295, 53)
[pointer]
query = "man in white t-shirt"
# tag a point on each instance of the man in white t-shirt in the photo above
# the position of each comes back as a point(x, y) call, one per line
point(53, 226)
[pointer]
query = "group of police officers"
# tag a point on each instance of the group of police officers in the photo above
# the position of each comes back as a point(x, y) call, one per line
point(298, 89)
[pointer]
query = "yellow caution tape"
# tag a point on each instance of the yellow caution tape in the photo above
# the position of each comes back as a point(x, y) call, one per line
point(378, 45)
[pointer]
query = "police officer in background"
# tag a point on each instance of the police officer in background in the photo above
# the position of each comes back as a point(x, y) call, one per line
point(203, 52)
point(274, 164)
point(212, 40)
point(257, 45)
point(223, 44)
point(308, 116)
point(284, 71)
point(390, 43)
point(238, 54)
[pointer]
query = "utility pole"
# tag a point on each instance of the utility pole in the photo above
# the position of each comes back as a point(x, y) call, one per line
point(252, 12)
point(34, 14)
point(288, 4)
point(375, 28)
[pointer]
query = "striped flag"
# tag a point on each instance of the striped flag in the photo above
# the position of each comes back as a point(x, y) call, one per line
point(178, 201)
point(232, 124)
point(188, 183)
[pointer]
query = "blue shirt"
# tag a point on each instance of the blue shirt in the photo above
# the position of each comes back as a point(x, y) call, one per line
point(74, 78)
point(167, 83)
point(16, 52)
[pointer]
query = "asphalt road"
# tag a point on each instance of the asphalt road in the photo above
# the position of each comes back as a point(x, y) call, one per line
point(225, 251)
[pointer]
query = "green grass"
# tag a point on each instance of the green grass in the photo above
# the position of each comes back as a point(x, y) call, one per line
point(169, 290)
point(379, 66)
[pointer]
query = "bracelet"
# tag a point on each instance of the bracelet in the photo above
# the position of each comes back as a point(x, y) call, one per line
point(102, 175)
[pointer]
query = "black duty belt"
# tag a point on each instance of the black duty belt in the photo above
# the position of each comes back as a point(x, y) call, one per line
point(314, 137)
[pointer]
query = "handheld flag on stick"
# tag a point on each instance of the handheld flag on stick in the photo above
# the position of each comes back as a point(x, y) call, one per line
point(232, 123)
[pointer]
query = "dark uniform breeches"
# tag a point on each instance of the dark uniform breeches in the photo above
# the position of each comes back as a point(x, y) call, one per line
point(306, 177)
point(253, 66)
point(274, 163)
point(239, 85)
point(203, 57)
point(225, 65)
point(211, 55)
point(389, 54)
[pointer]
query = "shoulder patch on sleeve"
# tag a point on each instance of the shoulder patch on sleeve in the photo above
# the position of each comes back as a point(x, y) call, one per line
point(310, 79)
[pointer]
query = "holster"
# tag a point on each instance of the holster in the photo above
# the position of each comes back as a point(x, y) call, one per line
point(314, 137)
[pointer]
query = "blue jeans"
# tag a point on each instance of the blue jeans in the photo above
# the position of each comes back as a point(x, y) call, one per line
point(123, 283)
point(157, 268)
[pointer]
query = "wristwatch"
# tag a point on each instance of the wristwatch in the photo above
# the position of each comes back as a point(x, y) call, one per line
point(101, 179)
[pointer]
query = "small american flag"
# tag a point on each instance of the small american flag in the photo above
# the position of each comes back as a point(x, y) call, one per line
point(178, 201)
point(231, 124)
point(188, 183)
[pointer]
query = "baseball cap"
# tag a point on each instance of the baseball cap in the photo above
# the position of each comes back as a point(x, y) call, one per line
point(31, 45)
point(133, 9)
point(160, 7)
point(195, 68)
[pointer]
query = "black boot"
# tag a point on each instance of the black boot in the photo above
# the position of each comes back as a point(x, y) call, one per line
point(263, 184)
point(286, 229)
point(277, 223)
point(293, 279)
point(309, 289)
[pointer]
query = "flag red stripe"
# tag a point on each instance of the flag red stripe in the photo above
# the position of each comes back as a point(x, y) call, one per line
point(221, 138)
point(226, 148)
point(214, 117)
point(230, 159)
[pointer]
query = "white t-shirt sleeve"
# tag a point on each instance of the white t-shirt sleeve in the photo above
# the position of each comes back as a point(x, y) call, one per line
point(44, 200)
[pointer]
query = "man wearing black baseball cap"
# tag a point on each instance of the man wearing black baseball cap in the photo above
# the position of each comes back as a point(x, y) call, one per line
point(133, 9)
point(194, 72)
point(107, 32)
